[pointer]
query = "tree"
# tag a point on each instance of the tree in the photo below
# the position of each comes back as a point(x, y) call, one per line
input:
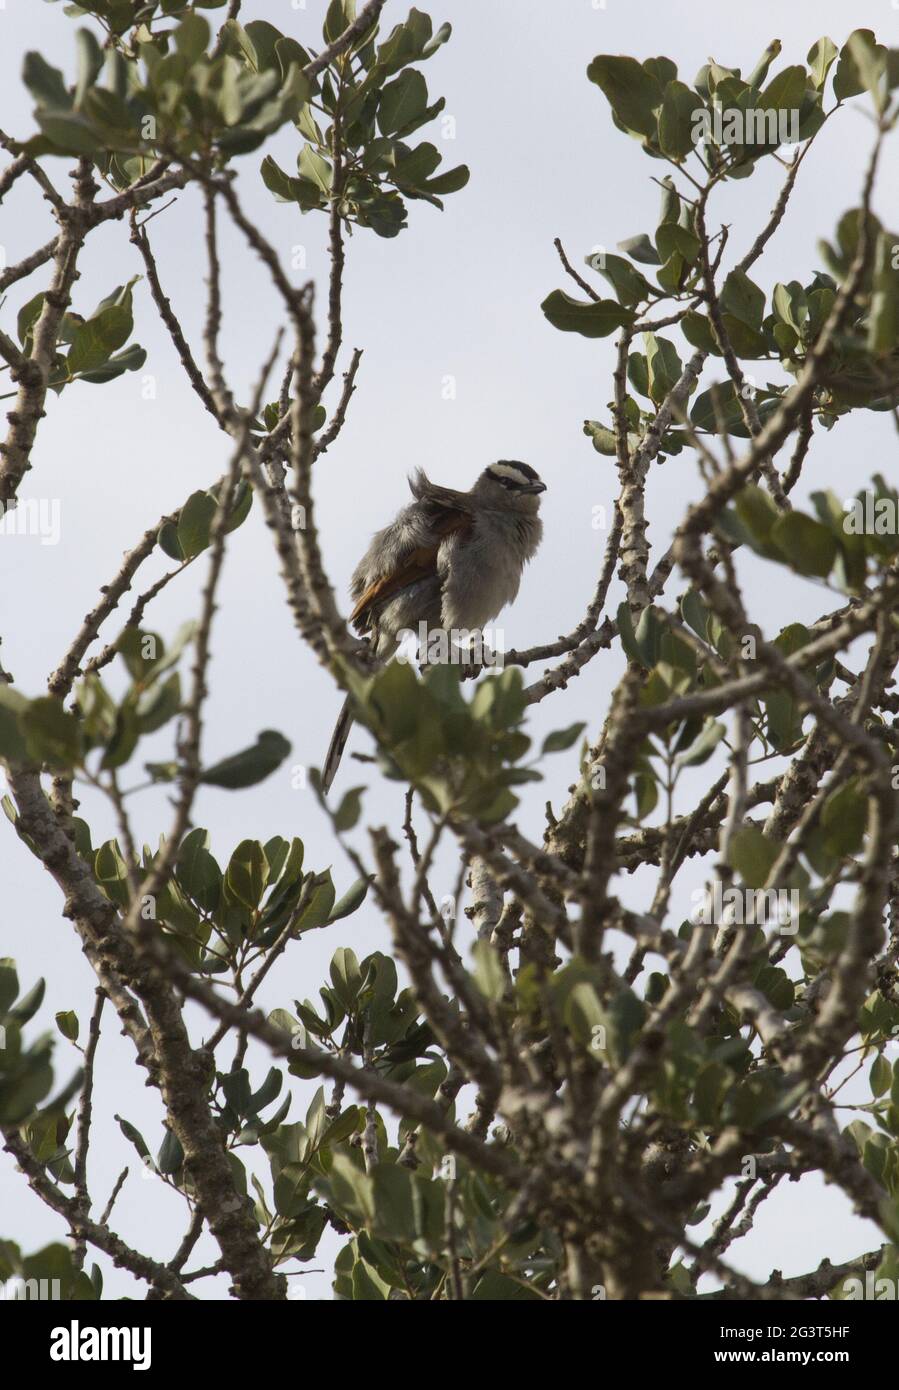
point(544, 1116)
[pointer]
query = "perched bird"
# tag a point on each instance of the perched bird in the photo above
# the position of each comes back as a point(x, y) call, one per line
point(451, 560)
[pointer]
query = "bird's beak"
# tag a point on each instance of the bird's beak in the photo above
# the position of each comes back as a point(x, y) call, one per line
point(534, 488)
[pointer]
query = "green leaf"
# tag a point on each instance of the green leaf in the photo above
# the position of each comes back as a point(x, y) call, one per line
point(718, 410)
point(384, 213)
point(52, 734)
point(315, 168)
point(848, 81)
point(698, 333)
point(883, 322)
point(495, 1287)
point(663, 366)
point(112, 120)
point(90, 63)
point(111, 873)
point(134, 1137)
point(642, 645)
point(238, 42)
point(250, 765)
point(784, 713)
point(140, 651)
point(407, 42)
point(880, 1075)
point(393, 1202)
point(695, 614)
point(561, 739)
point(810, 547)
point(790, 305)
point(96, 340)
point(844, 818)
point(604, 441)
point(820, 57)
point(69, 133)
point(674, 240)
point(760, 71)
point(28, 316)
point(756, 509)
point(633, 93)
point(349, 810)
point(488, 973)
point(9, 984)
point(671, 207)
point(12, 736)
point(171, 1155)
point(197, 872)
point(346, 976)
point(351, 901)
point(317, 912)
point(629, 285)
point(704, 746)
point(870, 60)
point(786, 91)
point(339, 16)
point(440, 37)
point(192, 36)
point(29, 1004)
point(247, 874)
point(638, 373)
point(124, 738)
point(776, 986)
point(640, 248)
point(412, 166)
point(594, 319)
point(625, 1019)
point(450, 182)
point(241, 504)
point(194, 522)
point(302, 191)
point(104, 333)
point(157, 706)
point(129, 360)
point(367, 1284)
point(45, 83)
point(583, 1015)
point(743, 299)
point(753, 855)
point(676, 120)
point(67, 1023)
point(402, 101)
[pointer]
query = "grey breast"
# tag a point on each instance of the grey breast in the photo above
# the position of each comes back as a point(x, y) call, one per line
point(483, 571)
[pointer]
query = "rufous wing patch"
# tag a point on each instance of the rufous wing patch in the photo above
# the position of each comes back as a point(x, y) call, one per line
point(419, 563)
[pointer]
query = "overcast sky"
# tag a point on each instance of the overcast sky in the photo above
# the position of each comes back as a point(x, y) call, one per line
point(454, 301)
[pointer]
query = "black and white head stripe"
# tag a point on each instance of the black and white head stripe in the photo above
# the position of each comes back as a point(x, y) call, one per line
point(513, 474)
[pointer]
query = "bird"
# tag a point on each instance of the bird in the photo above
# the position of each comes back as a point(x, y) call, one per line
point(449, 560)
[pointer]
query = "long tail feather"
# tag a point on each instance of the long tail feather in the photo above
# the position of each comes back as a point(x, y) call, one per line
point(338, 743)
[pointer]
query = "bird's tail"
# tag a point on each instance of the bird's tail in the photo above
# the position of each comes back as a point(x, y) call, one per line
point(338, 743)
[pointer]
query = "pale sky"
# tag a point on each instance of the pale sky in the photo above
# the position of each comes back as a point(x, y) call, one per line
point(456, 296)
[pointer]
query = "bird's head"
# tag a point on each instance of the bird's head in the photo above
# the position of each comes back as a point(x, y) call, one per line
point(510, 486)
